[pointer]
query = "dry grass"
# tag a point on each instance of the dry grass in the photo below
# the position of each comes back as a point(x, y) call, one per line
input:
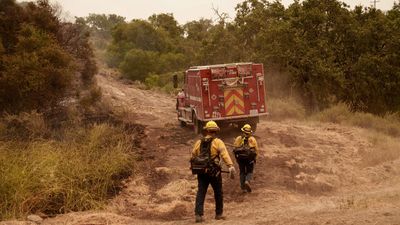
point(78, 172)
point(341, 114)
point(381, 132)
point(384, 148)
point(281, 109)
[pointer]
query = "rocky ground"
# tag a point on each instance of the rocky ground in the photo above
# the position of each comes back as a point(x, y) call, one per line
point(308, 173)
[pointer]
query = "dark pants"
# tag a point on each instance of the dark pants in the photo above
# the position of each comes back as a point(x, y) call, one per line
point(246, 171)
point(203, 182)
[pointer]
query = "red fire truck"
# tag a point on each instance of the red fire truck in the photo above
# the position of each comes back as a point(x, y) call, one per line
point(226, 93)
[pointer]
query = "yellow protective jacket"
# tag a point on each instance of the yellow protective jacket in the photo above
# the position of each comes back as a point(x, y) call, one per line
point(218, 150)
point(239, 141)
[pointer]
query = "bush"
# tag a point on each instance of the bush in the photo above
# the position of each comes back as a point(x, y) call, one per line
point(42, 61)
point(341, 114)
point(280, 109)
point(381, 124)
point(138, 64)
point(37, 76)
point(61, 176)
point(335, 114)
point(153, 80)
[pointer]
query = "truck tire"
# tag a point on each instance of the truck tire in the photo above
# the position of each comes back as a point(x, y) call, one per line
point(197, 125)
point(182, 123)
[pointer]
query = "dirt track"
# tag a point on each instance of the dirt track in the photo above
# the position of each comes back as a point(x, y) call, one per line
point(308, 173)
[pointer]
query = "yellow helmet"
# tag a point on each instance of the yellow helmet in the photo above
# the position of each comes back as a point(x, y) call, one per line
point(211, 126)
point(247, 129)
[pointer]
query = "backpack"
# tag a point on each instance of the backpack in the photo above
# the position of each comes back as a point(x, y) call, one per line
point(245, 153)
point(203, 163)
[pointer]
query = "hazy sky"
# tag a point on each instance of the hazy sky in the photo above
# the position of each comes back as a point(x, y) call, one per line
point(183, 10)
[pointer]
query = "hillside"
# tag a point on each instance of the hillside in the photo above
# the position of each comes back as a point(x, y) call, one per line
point(308, 173)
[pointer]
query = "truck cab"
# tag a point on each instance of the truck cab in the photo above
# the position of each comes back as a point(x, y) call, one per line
point(226, 93)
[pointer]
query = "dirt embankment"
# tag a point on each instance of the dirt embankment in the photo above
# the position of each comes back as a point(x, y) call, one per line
point(308, 173)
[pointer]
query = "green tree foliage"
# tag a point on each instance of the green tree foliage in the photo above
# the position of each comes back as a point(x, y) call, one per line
point(197, 30)
point(321, 49)
point(75, 40)
point(42, 60)
point(142, 47)
point(101, 23)
point(166, 22)
point(219, 47)
point(37, 75)
point(332, 53)
point(138, 63)
point(138, 34)
point(100, 27)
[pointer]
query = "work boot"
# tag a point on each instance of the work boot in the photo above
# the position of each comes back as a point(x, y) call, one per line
point(199, 219)
point(220, 217)
point(247, 186)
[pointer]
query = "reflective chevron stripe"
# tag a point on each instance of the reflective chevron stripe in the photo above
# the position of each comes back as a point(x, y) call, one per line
point(234, 104)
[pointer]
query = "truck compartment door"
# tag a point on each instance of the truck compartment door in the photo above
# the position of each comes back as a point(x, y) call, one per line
point(234, 102)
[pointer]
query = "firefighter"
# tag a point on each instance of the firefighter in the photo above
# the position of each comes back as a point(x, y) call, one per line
point(246, 166)
point(217, 152)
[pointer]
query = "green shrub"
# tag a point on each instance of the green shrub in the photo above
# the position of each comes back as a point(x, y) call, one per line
point(168, 88)
point(280, 109)
point(137, 64)
point(42, 60)
point(37, 76)
point(153, 80)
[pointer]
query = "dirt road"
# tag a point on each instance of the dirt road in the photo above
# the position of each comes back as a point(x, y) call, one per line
point(308, 173)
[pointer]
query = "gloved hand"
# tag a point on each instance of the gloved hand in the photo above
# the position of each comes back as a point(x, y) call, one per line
point(232, 172)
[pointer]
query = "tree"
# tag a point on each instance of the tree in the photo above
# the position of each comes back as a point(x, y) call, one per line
point(166, 22)
point(37, 76)
point(137, 64)
point(40, 57)
point(101, 25)
point(197, 30)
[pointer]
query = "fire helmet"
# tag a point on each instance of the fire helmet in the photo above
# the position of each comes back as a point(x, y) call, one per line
point(247, 129)
point(211, 126)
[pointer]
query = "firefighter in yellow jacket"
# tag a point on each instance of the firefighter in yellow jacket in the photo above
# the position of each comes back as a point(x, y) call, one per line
point(217, 152)
point(246, 166)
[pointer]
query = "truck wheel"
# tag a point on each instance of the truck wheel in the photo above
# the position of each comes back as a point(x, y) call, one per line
point(182, 124)
point(197, 126)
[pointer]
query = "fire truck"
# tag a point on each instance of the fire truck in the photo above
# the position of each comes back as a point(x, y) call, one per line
point(226, 93)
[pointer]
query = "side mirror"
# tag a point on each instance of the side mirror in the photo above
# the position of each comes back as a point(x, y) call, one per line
point(175, 80)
